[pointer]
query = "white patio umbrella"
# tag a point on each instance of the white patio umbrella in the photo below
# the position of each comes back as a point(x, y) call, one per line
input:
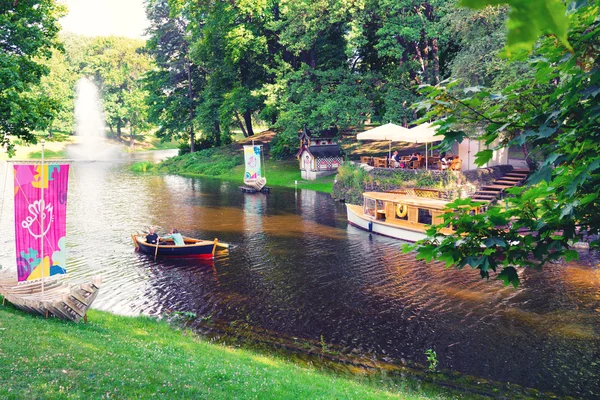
point(424, 133)
point(391, 132)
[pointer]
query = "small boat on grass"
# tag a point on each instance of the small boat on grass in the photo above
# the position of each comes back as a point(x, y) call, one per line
point(398, 215)
point(193, 248)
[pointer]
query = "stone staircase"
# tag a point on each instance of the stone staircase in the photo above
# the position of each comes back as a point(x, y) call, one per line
point(495, 190)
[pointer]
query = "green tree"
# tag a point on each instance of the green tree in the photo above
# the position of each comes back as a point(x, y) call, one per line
point(28, 33)
point(59, 85)
point(117, 65)
point(560, 203)
point(316, 85)
point(174, 84)
point(233, 47)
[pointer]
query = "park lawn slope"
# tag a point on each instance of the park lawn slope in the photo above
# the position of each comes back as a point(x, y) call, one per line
point(227, 163)
point(124, 357)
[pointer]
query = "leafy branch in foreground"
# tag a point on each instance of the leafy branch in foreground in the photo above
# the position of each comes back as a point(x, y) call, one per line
point(560, 203)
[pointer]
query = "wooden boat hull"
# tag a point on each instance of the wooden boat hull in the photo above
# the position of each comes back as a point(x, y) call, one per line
point(58, 298)
point(357, 218)
point(194, 248)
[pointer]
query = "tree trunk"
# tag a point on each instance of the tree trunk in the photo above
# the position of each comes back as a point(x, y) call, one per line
point(427, 74)
point(239, 121)
point(530, 163)
point(217, 134)
point(119, 129)
point(131, 137)
point(191, 98)
point(435, 58)
point(419, 56)
point(248, 120)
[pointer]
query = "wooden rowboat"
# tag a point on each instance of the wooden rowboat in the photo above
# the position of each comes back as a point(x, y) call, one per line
point(58, 298)
point(194, 248)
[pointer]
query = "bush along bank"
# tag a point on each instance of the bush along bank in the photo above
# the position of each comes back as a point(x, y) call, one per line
point(352, 180)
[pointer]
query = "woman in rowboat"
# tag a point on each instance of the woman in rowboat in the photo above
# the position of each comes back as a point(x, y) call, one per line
point(176, 236)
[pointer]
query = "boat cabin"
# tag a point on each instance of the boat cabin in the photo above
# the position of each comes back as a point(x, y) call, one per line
point(405, 211)
point(319, 154)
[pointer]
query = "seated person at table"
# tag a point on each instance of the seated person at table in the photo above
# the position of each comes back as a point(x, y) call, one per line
point(445, 162)
point(456, 163)
point(395, 160)
point(176, 236)
point(151, 237)
point(400, 163)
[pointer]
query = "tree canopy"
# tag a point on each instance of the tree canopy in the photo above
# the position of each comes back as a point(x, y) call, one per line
point(28, 36)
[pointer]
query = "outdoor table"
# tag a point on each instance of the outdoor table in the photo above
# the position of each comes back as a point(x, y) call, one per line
point(380, 162)
point(366, 160)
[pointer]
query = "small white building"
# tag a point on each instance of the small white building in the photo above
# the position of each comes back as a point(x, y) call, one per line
point(468, 148)
point(319, 154)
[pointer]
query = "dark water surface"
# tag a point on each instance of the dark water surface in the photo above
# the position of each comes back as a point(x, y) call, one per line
point(297, 274)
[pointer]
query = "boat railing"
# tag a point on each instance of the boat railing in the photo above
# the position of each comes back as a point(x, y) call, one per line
point(418, 192)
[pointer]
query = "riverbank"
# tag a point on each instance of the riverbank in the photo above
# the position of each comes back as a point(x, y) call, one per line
point(227, 163)
point(139, 357)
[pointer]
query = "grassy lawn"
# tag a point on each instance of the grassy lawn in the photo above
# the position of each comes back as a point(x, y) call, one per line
point(124, 357)
point(227, 163)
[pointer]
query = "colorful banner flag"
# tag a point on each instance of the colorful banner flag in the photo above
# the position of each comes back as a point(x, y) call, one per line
point(37, 220)
point(252, 158)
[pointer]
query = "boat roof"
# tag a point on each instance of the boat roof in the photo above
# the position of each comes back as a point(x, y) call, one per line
point(406, 199)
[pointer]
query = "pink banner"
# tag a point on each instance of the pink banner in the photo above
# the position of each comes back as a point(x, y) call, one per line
point(37, 220)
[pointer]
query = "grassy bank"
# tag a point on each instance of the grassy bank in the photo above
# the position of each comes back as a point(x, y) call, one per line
point(123, 357)
point(227, 163)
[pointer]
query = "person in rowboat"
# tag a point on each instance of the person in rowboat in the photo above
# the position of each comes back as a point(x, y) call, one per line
point(176, 236)
point(151, 237)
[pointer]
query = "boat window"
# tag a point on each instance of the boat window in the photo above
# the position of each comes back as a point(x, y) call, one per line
point(369, 207)
point(380, 212)
point(425, 216)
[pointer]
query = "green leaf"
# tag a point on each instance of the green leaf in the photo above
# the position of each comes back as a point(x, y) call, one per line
point(528, 20)
point(426, 252)
point(407, 248)
point(509, 276)
point(494, 241)
point(483, 157)
point(571, 255)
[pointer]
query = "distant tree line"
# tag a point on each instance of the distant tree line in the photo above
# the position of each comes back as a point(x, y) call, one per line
point(221, 65)
point(210, 67)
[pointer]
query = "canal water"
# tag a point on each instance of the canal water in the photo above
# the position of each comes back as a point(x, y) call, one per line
point(298, 277)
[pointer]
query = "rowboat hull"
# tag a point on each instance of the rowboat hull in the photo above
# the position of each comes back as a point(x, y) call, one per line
point(57, 298)
point(357, 218)
point(194, 248)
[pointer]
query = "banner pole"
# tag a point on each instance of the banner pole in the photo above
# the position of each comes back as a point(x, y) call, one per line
point(41, 216)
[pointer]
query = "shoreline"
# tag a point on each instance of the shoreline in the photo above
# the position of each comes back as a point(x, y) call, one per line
point(139, 357)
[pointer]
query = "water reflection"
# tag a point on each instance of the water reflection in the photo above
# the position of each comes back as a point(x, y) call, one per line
point(297, 273)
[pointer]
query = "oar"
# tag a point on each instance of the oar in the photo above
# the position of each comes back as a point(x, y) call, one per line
point(156, 251)
point(223, 245)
